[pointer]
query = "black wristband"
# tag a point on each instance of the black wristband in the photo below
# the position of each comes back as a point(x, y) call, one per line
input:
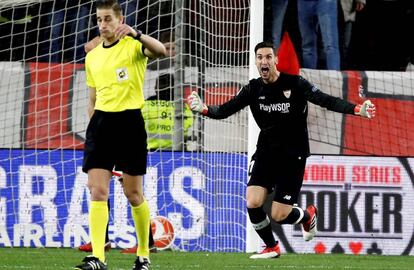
point(139, 34)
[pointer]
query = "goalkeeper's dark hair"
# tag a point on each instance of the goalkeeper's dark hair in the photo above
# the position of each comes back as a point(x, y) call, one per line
point(264, 44)
point(109, 4)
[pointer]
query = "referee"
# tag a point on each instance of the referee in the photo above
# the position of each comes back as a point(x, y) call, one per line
point(278, 102)
point(115, 72)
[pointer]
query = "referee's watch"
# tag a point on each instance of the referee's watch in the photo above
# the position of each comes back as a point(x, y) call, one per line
point(139, 34)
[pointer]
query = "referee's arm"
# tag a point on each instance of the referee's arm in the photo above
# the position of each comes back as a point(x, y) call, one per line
point(92, 100)
point(153, 47)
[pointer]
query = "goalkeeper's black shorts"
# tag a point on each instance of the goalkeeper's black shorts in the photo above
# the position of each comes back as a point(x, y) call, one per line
point(116, 140)
point(284, 175)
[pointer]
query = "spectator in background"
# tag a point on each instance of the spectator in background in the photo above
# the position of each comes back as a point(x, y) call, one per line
point(130, 9)
point(69, 23)
point(349, 9)
point(164, 88)
point(159, 115)
point(278, 11)
point(168, 39)
point(383, 36)
point(319, 15)
point(18, 32)
point(69, 26)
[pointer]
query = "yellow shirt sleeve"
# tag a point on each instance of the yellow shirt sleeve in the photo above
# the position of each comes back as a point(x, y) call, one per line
point(89, 78)
point(139, 51)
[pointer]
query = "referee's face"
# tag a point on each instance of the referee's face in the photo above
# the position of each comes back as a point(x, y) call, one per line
point(266, 64)
point(108, 21)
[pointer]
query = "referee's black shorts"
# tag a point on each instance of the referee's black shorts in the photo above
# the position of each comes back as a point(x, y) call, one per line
point(284, 175)
point(116, 140)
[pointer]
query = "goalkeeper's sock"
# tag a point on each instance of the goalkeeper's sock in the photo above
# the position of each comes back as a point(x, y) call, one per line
point(98, 220)
point(141, 217)
point(297, 215)
point(261, 223)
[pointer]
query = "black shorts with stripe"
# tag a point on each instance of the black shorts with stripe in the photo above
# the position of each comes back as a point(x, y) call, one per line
point(116, 140)
point(284, 175)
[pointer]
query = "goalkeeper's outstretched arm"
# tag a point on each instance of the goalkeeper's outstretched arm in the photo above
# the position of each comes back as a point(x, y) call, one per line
point(222, 111)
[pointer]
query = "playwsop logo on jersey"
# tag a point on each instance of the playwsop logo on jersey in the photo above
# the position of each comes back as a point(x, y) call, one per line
point(365, 206)
point(275, 107)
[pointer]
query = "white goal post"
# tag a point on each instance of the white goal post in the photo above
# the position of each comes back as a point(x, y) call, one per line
point(253, 242)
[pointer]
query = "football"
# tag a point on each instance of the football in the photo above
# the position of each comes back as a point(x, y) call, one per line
point(162, 231)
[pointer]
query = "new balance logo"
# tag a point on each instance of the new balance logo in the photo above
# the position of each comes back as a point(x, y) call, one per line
point(287, 197)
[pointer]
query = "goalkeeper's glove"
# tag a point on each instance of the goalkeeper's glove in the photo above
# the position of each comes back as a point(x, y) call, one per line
point(195, 103)
point(366, 109)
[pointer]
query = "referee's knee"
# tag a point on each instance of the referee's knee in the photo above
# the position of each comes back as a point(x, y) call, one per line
point(135, 198)
point(99, 193)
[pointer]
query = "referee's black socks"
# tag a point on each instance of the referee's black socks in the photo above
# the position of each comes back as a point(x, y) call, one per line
point(261, 223)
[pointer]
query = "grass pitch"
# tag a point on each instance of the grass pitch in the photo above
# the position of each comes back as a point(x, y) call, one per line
point(50, 258)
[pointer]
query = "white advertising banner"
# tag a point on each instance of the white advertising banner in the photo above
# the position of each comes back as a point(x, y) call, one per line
point(365, 206)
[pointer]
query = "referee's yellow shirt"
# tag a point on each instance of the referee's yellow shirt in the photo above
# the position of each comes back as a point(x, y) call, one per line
point(117, 72)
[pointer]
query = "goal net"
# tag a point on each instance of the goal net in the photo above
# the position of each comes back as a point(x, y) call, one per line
point(197, 170)
point(197, 181)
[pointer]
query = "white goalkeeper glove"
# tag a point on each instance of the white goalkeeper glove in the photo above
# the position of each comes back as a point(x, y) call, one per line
point(195, 103)
point(366, 109)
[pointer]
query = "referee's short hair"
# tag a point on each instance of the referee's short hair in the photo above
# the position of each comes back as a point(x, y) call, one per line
point(110, 4)
point(264, 44)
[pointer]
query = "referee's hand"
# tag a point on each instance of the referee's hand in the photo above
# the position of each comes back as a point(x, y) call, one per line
point(196, 104)
point(124, 30)
point(366, 109)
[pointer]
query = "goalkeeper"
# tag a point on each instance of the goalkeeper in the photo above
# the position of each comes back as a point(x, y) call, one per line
point(278, 102)
point(115, 76)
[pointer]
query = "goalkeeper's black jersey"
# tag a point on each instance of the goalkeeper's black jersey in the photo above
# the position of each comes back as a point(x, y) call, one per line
point(280, 110)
